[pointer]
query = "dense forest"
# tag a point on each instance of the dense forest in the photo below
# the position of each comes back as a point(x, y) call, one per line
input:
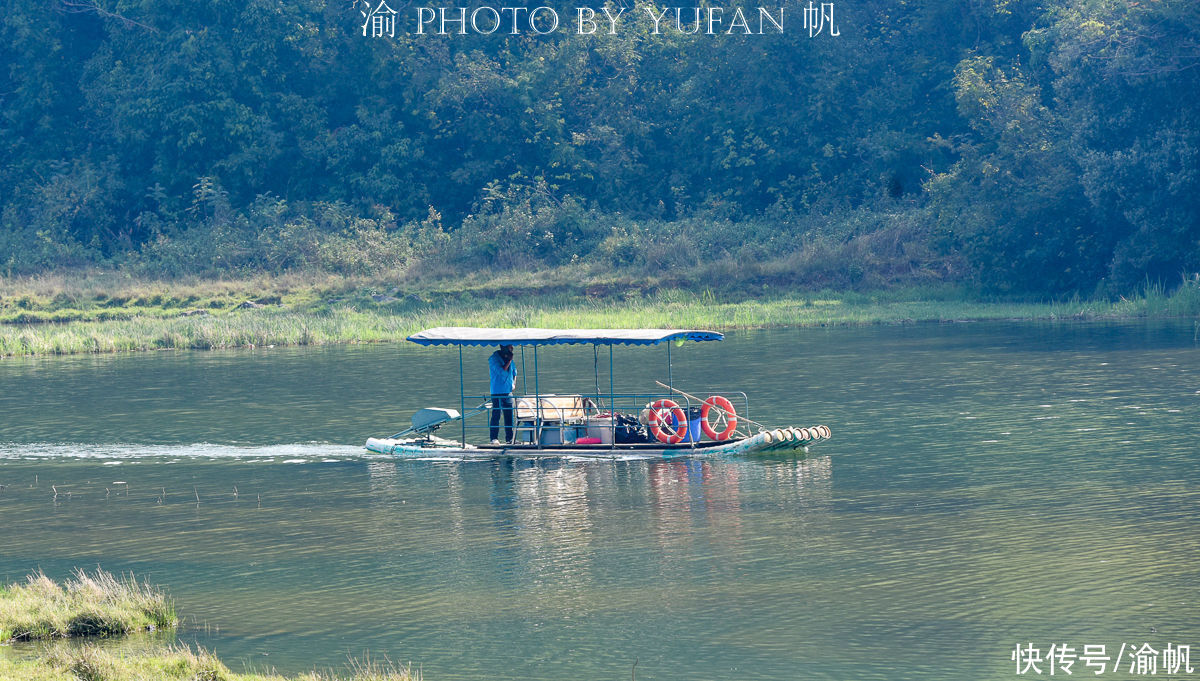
point(1027, 147)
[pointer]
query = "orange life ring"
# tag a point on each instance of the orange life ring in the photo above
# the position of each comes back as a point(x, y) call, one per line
point(661, 428)
point(723, 406)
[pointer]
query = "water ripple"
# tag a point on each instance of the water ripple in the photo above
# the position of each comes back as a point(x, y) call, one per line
point(986, 485)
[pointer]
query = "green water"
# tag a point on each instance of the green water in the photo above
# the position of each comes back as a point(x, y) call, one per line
point(986, 485)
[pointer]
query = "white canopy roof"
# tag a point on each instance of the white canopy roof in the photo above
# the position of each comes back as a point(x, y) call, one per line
point(468, 335)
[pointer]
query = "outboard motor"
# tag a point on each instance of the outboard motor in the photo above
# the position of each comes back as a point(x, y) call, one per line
point(427, 420)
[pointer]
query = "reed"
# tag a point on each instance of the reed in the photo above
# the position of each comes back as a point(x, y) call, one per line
point(95, 604)
point(339, 310)
point(90, 662)
point(101, 604)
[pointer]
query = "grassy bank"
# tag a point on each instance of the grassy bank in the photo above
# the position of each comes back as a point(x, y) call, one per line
point(96, 604)
point(108, 313)
point(100, 605)
point(169, 663)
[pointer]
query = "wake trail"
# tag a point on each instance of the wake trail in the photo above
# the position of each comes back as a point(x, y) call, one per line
point(298, 452)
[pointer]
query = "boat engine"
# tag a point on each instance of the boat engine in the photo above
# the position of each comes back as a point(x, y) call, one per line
point(427, 420)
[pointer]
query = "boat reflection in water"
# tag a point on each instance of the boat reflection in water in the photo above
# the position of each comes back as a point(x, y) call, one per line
point(558, 524)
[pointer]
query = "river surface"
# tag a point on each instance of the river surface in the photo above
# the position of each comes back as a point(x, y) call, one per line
point(987, 485)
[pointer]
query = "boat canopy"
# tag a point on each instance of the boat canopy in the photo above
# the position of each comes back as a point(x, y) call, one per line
point(468, 335)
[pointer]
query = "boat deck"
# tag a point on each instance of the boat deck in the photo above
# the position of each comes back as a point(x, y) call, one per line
point(778, 441)
point(631, 446)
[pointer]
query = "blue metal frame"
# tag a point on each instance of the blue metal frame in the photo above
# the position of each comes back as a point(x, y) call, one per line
point(541, 418)
point(462, 400)
point(569, 337)
point(669, 381)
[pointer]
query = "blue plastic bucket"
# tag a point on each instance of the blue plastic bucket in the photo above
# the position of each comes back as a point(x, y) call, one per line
point(694, 433)
point(552, 436)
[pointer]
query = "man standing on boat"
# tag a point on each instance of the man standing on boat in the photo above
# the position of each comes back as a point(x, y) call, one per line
point(503, 378)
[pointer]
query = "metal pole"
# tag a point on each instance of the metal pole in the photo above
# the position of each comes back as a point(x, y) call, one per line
point(524, 380)
point(537, 403)
point(612, 399)
point(596, 366)
point(462, 399)
point(669, 381)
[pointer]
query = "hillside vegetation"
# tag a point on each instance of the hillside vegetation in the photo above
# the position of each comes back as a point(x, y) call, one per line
point(1023, 148)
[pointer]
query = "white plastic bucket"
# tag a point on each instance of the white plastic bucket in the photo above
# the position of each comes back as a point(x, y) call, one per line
point(602, 428)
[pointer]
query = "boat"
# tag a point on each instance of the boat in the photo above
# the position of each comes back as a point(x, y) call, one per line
point(663, 423)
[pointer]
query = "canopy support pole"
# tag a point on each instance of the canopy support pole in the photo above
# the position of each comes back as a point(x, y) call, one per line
point(524, 380)
point(670, 382)
point(612, 399)
point(462, 398)
point(537, 402)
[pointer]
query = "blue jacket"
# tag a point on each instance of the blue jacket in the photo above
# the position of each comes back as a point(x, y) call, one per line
point(502, 381)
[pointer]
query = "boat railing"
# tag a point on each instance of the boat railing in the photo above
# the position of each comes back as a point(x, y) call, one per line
point(562, 419)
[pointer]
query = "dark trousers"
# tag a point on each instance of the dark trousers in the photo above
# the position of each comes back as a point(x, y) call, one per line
point(501, 404)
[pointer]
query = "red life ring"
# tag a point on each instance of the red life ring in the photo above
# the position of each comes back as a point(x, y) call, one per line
point(661, 414)
point(724, 407)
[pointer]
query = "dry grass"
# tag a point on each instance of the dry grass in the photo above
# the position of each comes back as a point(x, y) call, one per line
point(101, 604)
point(90, 662)
point(95, 604)
point(325, 309)
point(89, 284)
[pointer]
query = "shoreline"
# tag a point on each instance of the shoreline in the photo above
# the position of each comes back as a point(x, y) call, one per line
point(94, 318)
point(67, 621)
